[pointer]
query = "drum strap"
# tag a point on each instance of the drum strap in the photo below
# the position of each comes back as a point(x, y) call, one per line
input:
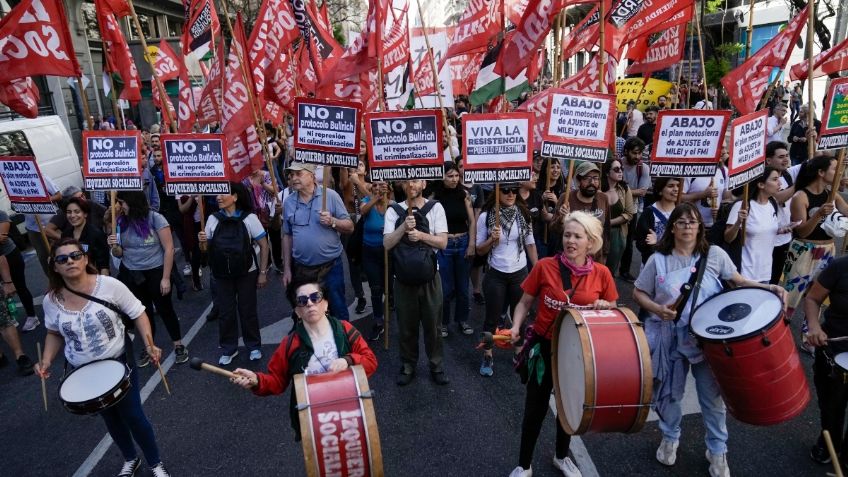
point(690, 288)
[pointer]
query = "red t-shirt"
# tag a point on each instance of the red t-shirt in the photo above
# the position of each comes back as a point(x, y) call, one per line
point(545, 282)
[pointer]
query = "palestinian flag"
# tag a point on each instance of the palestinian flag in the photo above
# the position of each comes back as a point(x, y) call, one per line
point(489, 84)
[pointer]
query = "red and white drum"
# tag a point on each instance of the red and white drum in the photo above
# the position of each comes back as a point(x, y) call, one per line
point(337, 424)
point(602, 371)
point(749, 347)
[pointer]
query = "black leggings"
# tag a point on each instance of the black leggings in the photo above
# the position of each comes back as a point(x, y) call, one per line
point(144, 284)
point(18, 271)
point(501, 290)
point(535, 410)
point(832, 393)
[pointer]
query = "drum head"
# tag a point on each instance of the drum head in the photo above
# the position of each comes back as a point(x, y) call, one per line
point(91, 381)
point(736, 314)
point(841, 360)
point(571, 374)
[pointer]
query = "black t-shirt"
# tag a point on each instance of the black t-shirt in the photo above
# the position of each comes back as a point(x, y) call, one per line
point(535, 205)
point(835, 279)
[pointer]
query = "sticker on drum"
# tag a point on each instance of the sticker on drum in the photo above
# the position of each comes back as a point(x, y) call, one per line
point(736, 314)
point(841, 360)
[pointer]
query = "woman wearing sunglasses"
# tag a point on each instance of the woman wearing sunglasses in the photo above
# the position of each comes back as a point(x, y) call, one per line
point(93, 239)
point(87, 330)
point(318, 344)
point(505, 234)
point(146, 249)
point(622, 210)
point(235, 235)
point(591, 284)
point(673, 350)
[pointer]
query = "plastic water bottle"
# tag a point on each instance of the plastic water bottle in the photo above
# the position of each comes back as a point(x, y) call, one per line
point(12, 307)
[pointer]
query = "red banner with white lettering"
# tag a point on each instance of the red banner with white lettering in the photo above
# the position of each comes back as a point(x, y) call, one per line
point(746, 84)
point(201, 25)
point(583, 36)
point(209, 107)
point(281, 86)
point(165, 67)
point(664, 52)
point(827, 62)
point(477, 26)
point(21, 96)
point(464, 69)
point(396, 44)
point(34, 40)
point(237, 114)
point(187, 105)
point(423, 76)
point(588, 79)
point(118, 57)
point(274, 31)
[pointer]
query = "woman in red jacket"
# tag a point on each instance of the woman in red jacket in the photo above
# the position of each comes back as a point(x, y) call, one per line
point(318, 344)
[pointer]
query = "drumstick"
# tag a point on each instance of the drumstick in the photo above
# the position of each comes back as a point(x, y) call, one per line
point(841, 338)
point(832, 452)
point(159, 366)
point(43, 381)
point(198, 364)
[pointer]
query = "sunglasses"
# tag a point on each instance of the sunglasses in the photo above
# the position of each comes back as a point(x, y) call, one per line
point(63, 259)
point(314, 297)
point(509, 190)
point(616, 169)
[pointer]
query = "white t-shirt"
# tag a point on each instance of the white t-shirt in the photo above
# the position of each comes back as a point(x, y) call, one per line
point(637, 120)
point(95, 332)
point(773, 132)
point(436, 219)
point(700, 184)
point(760, 231)
point(785, 217)
point(254, 229)
point(506, 256)
point(325, 352)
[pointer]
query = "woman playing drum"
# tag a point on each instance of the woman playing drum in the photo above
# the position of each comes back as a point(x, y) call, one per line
point(591, 285)
point(319, 344)
point(673, 350)
point(91, 331)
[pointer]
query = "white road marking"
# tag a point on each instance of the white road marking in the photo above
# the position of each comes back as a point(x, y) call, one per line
point(100, 450)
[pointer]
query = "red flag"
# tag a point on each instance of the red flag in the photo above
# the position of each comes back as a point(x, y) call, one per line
point(186, 115)
point(237, 114)
point(157, 101)
point(422, 76)
point(515, 10)
point(746, 84)
point(21, 96)
point(307, 79)
point(118, 57)
point(274, 31)
point(362, 54)
point(201, 25)
point(665, 51)
point(477, 26)
point(396, 44)
point(464, 69)
point(281, 89)
point(630, 19)
point(538, 105)
point(323, 49)
point(583, 36)
point(209, 106)
point(165, 67)
point(120, 8)
point(536, 65)
point(827, 62)
point(34, 40)
point(588, 78)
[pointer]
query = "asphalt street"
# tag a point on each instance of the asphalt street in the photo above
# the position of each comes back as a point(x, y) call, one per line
point(470, 427)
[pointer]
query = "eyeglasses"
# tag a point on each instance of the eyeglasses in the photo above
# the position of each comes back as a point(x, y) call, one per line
point(616, 169)
point(590, 179)
point(509, 190)
point(686, 224)
point(314, 297)
point(63, 259)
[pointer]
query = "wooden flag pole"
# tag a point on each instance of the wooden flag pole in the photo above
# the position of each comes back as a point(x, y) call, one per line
point(381, 105)
point(837, 178)
point(746, 190)
point(85, 108)
point(811, 114)
point(163, 97)
point(713, 200)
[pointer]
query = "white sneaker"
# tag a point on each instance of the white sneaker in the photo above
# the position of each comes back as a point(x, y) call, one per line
point(521, 472)
point(187, 270)
point(718, 464)
point(226, 359)
point(255, 355)
point(567, 467)
point(31, 323)
point(667, 452)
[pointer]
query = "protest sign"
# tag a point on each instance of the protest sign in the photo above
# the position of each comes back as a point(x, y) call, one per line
point(498, 147)
point(834, 130)
point(25, 186)
point(631, 89)
point(579, 126)
point(111, 160)
point(195, 164)
point(687, 142)
point(747, 149)
point(327, 132)
point(405, 145)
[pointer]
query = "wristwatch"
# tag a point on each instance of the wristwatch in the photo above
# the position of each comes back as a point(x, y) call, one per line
point(333, 225)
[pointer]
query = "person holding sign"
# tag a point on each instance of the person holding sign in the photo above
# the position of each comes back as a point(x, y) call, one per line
point(707, 193)
point(505, 234)
point(588, 198)
point(373, 212)
point(800, 135)
point(146, 249)
point(681, 252)
point(591, 285)
point(234, 233)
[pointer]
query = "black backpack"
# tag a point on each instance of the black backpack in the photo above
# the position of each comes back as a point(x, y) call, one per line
point(231, 253)
point(414, 262)
point(716, 234)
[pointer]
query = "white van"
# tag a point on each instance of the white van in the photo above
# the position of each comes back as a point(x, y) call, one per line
point(47, 139)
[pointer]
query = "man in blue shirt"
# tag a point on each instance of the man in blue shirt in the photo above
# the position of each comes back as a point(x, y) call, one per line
point(312, 246)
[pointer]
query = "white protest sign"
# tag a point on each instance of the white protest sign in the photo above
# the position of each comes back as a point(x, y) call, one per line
point(687, 143)
point(25, 186)
point(747, 149)
point(579, 126)
point(111, 160)
point(498, 147)
point(327, 132)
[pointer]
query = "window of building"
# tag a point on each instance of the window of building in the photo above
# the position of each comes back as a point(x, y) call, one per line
point(149, 26)
point(175, 26)
point(89, 17)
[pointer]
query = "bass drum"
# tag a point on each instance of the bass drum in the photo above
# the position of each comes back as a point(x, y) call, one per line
point(749, 346)
point(337, 424)
point(602, 371)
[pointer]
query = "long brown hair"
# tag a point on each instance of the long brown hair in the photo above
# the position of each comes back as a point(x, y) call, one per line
point(666, 243)
point(55, 281)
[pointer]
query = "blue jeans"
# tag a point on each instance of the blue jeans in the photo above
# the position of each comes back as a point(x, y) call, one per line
point(712, 410)
point(334, 282)
point(126, 422)
point(373, 265)
point(454, 270)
